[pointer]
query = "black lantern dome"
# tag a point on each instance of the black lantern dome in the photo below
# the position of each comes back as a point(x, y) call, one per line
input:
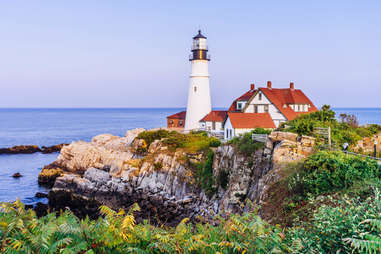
point(199, 48)
point(199, 35)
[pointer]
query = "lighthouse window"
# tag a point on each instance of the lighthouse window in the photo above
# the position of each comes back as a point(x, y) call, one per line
point(195, 89)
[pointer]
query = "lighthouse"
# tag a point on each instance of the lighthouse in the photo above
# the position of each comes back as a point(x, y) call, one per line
point(199, 103)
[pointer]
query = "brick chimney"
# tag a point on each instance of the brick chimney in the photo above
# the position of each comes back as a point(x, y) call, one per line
point(252, 86)
point(269, 84)
point(292, 86)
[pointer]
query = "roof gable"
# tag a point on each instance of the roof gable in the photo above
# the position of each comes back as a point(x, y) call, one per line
point(215, 116)
point(251, 120)
point(281, 98)
point(245, 97)
point(179, 115)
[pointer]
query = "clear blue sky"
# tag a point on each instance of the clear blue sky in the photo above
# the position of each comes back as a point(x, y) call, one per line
point(135, 53)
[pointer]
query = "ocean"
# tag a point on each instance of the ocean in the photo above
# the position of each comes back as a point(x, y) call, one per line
point(46, 127)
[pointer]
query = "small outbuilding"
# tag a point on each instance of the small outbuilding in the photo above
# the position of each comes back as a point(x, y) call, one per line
point(214, 121)
point(176, 121)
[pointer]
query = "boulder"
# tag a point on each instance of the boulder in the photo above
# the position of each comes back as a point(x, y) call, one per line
point(41, 195)
point(47, 176)
point(41, 209)
point(277, 136)
point(16, 175)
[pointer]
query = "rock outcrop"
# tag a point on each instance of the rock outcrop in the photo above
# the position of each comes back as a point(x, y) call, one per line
point(366, 145)
point(29, 149)
point(52, 149)
point(111, 171)
point(20, 150)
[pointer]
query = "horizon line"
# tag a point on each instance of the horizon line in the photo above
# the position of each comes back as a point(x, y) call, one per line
point(153, 107)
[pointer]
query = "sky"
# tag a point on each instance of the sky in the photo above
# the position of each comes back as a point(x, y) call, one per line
point(93, 53)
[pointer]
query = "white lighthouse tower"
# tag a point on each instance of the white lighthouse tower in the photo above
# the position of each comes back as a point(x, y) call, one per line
point(199, 103)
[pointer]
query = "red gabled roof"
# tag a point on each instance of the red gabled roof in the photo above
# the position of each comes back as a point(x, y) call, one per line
point(180, 115)
point(215, 116)
point(281, 98)
point(245, 97)
point(251, 120)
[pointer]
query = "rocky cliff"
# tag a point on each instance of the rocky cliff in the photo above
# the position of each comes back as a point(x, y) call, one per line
point(112, 171)
point(366, 145)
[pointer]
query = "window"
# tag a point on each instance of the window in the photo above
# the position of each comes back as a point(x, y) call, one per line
point(181, 123)
point(259, 96)
point(266, 108)
point(231, 132)
point(195, 89)
point(213, 125)
point(255, 108)
point(171, 121)
point(239, 105)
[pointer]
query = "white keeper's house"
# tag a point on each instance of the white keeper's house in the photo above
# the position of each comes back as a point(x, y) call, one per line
point(263, 107)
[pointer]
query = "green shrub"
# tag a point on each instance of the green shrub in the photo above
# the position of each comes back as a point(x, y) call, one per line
point(331, 171)
point(192, 142)
point(150, 136)
point(341, 132)
point(342, 225)
point(214, 142)
point(245, 144)
point(204, 174)
point(261, 131)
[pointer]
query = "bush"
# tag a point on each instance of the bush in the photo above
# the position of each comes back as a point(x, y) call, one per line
point(192, 142)
point(151, 136)
point(204, 174)
point(261, 131)
point(214, 142)
point(331, 171)
point(341, 132)
point(117, 232)
point(245, 144)
point(342, 225)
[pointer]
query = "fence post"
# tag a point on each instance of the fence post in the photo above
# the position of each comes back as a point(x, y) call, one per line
point(375, 149)
point(329, 136)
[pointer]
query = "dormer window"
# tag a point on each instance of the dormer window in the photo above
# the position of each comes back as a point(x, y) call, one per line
point(284, 105)
point(240, 105)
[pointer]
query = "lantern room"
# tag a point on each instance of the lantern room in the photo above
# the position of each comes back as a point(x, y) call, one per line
point(199, 48)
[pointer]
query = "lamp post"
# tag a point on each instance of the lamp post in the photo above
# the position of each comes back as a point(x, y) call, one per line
point(375, 148)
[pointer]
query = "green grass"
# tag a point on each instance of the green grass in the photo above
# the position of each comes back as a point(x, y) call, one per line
point(192, 142)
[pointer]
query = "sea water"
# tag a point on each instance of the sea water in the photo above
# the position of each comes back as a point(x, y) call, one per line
point(46, 127)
